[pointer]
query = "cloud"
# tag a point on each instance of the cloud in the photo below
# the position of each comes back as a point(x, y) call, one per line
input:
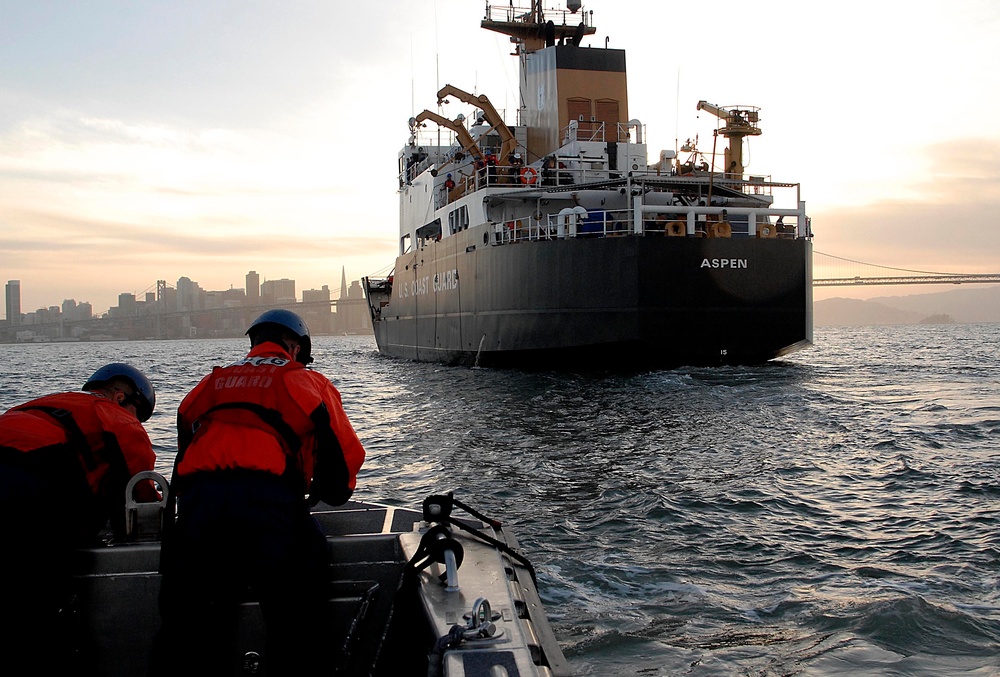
point(962, 171)
point(87, 198)
point(948, 223)
point(170, 178)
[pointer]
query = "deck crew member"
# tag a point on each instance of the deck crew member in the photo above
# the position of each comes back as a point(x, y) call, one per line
point(65, 460)
point(491, 168)
point(548, 171)
point(481, 170)
point(255, 439)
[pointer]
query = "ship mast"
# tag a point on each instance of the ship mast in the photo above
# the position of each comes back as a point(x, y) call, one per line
point(531, 30)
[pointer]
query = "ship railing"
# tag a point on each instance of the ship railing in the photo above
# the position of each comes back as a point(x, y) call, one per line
point(519, 13)
point(597, 130)
point(503, 176)
point(757, 185)
point(762, 222)
point(572, 222)
point(754, 185)
point(567, 170)
point(657, 221)
point(582, 130)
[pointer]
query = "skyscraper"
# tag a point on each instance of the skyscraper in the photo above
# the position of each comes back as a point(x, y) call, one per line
point(253, 288)
point(13, 302)
point(278, 291)
point(189, 294)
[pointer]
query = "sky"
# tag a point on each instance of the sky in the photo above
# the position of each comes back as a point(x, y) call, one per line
point(145, 140)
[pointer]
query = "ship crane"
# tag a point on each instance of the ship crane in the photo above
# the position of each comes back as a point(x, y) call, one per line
point(737, 124)
point(468, 144)
point(490, 114)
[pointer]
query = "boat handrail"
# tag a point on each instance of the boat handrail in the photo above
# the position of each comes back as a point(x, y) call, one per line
point(571, 175)
point(512, 13)
point(656, 221)
point(597, 131)
point(144, 520)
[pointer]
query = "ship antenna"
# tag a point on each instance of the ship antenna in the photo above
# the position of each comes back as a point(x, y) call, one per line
point(677, 113)
point(437, 68)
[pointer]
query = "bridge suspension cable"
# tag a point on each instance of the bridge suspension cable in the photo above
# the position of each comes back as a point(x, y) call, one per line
point(874, 274)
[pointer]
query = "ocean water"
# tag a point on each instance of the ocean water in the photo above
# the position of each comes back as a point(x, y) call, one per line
point(836, 512)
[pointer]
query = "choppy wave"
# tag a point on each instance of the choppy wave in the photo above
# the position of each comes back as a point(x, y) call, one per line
point(832, 513)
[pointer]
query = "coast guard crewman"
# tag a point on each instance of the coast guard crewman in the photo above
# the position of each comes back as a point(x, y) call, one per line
point(65, 460)
point(254, 440)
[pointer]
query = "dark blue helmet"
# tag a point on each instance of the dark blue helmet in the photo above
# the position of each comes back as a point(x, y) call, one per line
point(144, 398)
point(289, 321)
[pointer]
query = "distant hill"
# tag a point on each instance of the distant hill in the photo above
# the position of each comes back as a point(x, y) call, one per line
point(956, 305)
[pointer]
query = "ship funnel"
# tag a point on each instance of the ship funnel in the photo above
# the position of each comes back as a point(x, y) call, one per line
point(573, 5)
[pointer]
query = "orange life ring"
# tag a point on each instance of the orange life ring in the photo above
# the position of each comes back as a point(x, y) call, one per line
point(529, 175)
point(721, 229)
point(676, 228)
point(766, 230)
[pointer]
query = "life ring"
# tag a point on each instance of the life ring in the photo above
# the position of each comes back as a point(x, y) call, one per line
point(766, 230)
point(722, 229)
point(529, 175)
point(676, 228)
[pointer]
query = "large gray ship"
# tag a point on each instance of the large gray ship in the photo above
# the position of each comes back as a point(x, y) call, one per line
point(556, 242)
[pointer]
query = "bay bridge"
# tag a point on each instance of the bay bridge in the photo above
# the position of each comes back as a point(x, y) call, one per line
point(847, 272)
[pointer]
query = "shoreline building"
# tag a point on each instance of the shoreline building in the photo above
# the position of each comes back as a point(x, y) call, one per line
point(318, 317)
point(253, 288)
point(13, 293)
point(277, 292)
point(353, 316)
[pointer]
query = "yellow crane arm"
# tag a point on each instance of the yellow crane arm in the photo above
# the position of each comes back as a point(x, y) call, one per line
point(713, 109)
point(508, 142)
point(738, 122)
point(468, 143)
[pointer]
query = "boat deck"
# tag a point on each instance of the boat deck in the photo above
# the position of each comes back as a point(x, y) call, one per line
point(382, 621)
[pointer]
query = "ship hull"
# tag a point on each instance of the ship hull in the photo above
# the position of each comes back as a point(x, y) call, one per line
point(601, 303)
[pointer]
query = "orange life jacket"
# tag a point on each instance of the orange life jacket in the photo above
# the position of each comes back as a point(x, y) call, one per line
point(109, 444)
point(266, 412)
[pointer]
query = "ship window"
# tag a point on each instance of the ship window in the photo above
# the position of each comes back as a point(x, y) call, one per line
point(458, 219)
point(430, 231)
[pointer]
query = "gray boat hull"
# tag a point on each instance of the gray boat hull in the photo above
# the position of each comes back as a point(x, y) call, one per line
point(608, 302)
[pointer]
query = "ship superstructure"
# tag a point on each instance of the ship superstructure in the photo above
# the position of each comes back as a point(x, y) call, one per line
point(555, 241)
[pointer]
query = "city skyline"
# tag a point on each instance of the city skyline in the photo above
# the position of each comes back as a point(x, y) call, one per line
point(186, 310)
point(297, 295)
